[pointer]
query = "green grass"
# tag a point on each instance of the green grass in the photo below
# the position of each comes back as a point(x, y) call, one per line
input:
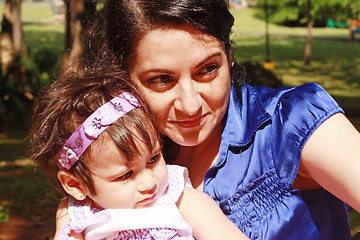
point(33, 11)
point(36, 12)
point(24, 190)
point(44, 35)
point(246, 22)
point(335, 65)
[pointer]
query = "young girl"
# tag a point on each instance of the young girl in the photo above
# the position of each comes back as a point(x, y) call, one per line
point(100, 144)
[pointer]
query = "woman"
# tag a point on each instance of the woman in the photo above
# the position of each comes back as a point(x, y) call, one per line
point(276, 161)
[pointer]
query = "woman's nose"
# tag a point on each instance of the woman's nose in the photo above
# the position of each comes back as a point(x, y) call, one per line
point(188, 99)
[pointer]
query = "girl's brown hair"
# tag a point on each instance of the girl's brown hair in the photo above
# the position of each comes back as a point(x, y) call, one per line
point(68, 101)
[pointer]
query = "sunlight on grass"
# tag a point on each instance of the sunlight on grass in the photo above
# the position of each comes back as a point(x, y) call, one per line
point(36, 11)
point(33, 11)
point(39, 36)
point(335, 65)
point(246, 22)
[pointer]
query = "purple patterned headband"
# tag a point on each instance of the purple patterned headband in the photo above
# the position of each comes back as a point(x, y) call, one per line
point(93, 126)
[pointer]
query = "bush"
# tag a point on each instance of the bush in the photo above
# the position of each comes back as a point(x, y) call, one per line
point(45, 60)
point(293, 12)
point(257, 75)
point(21, 83)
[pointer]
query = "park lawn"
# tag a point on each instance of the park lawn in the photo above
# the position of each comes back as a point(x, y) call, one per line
point(33, 11)
point(245, 21)
point(44, 36)
point(335, 64)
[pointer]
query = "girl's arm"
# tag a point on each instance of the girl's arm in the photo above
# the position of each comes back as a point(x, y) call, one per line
point(332, 158)
point(62, 217)
point(206, 218)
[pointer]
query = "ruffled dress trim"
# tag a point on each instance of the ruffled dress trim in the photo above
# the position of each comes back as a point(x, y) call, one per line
point(163, 221)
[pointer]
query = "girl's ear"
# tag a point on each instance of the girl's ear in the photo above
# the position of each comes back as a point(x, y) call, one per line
point(72, 185)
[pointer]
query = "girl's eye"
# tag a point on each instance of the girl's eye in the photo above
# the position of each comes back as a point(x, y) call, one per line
point(154, 159)
point(127, 175)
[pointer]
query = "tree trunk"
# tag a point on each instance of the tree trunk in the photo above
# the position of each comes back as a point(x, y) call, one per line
point(80, 17)
point(307, 53)
point(228, 2)
point(12, 41)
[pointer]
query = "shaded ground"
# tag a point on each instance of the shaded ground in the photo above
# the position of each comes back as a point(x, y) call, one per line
point(27, 209)
point(31, 211)
point(20, 227)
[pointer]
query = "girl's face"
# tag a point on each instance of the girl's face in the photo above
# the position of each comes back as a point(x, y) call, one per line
point(120, 183)
point(185, 78)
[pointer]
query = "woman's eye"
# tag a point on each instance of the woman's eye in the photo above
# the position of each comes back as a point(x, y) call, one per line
point(126, 175)
point(209, 71)
point(160, 80)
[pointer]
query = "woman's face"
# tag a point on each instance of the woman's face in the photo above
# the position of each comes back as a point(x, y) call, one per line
point(185, 78)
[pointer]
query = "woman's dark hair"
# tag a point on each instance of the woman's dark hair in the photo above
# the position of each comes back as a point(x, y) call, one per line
point(68, 101)
point(128, 20)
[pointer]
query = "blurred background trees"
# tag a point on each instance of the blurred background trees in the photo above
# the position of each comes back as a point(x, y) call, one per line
point(294, 12)
point(24, 69)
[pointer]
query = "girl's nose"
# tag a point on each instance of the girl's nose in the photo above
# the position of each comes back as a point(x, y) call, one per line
point(147, 183)
point(188, 98)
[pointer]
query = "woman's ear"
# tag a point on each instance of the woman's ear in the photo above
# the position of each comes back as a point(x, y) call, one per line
point(229, 57)
point(72, 185)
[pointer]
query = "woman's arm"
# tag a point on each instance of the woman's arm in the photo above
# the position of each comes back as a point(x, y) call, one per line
point(332, 158)
point(206, 218)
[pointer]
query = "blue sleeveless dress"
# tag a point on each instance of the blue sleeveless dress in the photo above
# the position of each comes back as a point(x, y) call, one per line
point(263, 135)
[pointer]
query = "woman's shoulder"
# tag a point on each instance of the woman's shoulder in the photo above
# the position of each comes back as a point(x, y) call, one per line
point(309, 92)
point(296, 112)
point(289, 102)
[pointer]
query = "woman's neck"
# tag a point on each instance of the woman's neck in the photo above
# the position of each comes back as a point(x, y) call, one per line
point(200, 158)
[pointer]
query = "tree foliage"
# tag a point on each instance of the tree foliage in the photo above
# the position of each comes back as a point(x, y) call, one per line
point(293, 12)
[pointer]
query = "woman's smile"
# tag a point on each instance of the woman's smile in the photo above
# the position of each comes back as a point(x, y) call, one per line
point(190, 122)
point(185, 79)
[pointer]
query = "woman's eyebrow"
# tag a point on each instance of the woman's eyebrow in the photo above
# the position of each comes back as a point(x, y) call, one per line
point(158, 70)
point(208, 58)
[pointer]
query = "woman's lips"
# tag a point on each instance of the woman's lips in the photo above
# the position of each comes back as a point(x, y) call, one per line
point(190, 123)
